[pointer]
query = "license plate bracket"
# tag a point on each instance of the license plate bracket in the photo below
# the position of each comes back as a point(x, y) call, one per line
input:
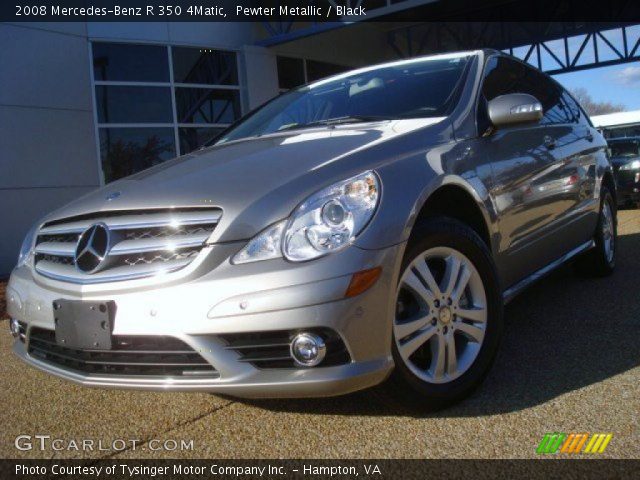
point(84, 325)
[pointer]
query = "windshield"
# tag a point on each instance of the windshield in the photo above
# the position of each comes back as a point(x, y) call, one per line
point(420, 88)
point(628, 148)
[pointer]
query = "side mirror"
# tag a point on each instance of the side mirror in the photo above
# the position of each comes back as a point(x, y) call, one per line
point(514, 109)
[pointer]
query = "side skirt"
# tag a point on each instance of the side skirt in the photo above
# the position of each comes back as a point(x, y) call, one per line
point(514, 290)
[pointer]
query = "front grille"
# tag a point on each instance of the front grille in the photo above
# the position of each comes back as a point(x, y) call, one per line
point(58, 259)
point(167, 232)
point(271, 349)
point(131, 356)
point(156, 257)
point(142, 243)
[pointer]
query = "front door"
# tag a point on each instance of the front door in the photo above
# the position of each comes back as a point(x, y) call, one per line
point(537, 173)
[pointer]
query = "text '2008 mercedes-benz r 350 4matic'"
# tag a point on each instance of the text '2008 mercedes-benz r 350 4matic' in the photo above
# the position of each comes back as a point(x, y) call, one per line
point(362, 229)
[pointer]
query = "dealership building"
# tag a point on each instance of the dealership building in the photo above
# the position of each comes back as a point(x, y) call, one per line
point(83, 104)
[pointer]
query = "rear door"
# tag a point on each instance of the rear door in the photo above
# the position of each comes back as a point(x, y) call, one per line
point(580, 158)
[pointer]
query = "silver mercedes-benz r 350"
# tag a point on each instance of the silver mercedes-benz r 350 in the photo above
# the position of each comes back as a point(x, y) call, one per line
point(364, 229)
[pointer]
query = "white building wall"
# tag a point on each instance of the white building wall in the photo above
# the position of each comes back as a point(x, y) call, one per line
point(260, 76)
point(46, 126)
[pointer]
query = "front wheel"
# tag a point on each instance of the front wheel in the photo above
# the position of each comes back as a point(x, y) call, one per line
point(448, 319)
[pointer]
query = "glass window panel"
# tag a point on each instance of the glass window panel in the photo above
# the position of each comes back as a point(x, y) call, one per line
point(130, 63)
point(575, 111)
point(119, 104)
point(193, 138)
point(317, 70)
point(290, 72)
point(504, 75)
point(203, 65)
point(125, 151)
point(202, 105)
point(388, 91)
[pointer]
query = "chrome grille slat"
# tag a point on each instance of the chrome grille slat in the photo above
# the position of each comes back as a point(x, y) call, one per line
point(126, 247)
point(135, 221)
point(60, 249)
point(141, 244)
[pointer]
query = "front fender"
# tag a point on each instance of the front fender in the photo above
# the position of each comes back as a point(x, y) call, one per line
point(408, 184)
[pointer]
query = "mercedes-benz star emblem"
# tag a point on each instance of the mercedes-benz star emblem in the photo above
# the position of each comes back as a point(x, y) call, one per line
point(92, 248)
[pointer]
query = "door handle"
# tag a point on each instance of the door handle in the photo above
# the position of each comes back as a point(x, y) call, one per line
point(549, 142)
point(589, 136)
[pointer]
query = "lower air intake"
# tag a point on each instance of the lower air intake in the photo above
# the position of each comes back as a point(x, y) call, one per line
point(131, 356)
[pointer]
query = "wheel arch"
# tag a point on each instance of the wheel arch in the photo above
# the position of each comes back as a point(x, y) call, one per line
point(455, 198)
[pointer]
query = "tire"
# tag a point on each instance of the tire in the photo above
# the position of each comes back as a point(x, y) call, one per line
point(423, 378)
point(600, 261)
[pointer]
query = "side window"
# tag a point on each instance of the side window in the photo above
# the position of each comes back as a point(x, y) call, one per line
point(549, 95)
point(574, 109)
point(554, 109)
point(504, 75)
point(501, 75)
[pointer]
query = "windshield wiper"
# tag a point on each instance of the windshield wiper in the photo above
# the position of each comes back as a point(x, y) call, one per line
point(336, 121)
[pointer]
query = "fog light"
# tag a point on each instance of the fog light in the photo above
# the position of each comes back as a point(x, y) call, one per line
point(15, 327)
point(308, 349)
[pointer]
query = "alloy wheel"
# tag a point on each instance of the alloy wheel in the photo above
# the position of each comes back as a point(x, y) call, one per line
point(608, 231)
point(441, 315)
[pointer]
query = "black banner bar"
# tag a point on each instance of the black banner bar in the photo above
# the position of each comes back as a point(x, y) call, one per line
point(318, 11)
point(315, 469)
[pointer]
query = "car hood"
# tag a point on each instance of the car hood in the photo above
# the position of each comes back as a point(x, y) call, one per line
point(255, 181)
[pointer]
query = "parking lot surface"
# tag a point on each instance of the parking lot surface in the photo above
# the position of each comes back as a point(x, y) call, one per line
point(569, 362)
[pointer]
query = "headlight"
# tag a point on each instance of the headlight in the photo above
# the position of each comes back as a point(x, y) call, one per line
point(330, 219)
point(265, 245)
point(327, 221)
point(27, 246)
point(635, 165)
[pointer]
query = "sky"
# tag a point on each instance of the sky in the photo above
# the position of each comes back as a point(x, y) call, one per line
point(619, 84)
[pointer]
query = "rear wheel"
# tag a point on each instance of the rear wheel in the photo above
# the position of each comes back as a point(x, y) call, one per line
point(601, 260)
point(448, 317)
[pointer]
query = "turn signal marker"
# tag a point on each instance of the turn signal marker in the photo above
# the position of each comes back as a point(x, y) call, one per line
point(362, 281)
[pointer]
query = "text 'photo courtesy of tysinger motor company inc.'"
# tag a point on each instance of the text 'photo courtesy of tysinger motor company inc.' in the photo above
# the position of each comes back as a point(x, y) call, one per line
point(312, 239)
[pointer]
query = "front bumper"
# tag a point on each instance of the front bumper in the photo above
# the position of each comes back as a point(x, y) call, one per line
point(262, 297)
point(319, 382)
